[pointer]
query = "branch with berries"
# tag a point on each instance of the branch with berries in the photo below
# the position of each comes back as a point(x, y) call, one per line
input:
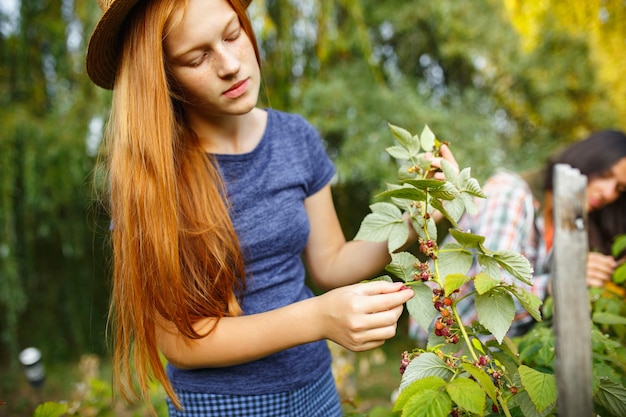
point(464, 369)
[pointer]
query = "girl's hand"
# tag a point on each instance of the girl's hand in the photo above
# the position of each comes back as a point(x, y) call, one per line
point(599, 269)
point(362, 316)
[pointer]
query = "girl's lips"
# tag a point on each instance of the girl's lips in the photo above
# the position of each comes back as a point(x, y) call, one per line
point(237, 89)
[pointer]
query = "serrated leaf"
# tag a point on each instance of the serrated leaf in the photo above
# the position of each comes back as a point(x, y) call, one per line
point(398, 152)
point(454, 259)
point(450, 210)
point(612, 396)
point(467, 240)
point(406, 192)
point(384, 223)
point(424, 365)
point(608, 318)
point(489, 265)
point(450, 173)
point(402, 265)
point(402, 135)
point(468, 203)
point(496, 311)
point(467, 394)
point(420, 306)
point(429, 383)
point(50, 409)
point(529, 301)
point(427, 139)
point(483, 379)
point(454, 281)
point(515, 264)
point(471, 187)
point(405, 139)
point(522, 399)
point(446, 192)
point(429, 403)
point(541, 387)
point(484, 283)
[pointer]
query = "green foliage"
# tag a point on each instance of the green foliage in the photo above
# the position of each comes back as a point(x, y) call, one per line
point(461, 371)
point(457, 372)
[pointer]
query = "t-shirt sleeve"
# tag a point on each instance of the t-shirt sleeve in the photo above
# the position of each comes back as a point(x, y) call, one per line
point(321, 168)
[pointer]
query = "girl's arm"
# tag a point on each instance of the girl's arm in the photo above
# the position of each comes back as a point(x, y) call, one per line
point(358, 317)
point(331, 260)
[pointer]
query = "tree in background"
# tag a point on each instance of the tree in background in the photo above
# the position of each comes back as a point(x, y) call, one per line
point(52, 288)
point(469, 70)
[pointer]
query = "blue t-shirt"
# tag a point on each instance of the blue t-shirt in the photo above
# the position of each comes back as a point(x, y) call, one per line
point(267, 188)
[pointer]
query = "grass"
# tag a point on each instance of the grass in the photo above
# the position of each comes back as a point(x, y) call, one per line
point(366, 382)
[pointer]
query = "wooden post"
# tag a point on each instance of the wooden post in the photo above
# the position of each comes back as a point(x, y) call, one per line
point(572, 320)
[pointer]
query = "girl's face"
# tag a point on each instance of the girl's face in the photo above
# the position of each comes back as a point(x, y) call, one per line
point(213, 61)
point(604, 189)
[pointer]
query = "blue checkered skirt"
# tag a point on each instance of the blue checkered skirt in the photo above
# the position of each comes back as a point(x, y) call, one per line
point(317, 399)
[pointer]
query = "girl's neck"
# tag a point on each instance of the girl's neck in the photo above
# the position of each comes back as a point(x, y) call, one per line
point(230, 134)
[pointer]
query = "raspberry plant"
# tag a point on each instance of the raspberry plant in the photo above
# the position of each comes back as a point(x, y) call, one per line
point(464, 370)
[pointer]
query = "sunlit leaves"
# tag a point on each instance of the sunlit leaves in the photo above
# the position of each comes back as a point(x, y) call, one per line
point(541, 387)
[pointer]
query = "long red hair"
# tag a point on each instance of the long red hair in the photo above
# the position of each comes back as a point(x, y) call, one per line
point(175, 251)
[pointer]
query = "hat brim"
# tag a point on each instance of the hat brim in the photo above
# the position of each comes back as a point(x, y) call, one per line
point(104, 48)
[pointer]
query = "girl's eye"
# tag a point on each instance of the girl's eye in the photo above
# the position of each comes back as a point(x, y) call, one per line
point(197, 62)
point(234, 35)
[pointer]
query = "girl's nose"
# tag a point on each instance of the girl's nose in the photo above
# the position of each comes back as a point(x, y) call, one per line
point(228, 63)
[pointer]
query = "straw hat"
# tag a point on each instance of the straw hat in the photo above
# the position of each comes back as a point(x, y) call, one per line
point(104, 45)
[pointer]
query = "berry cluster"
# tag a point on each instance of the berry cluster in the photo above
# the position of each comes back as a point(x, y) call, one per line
point(422, 272)
point(428, 247)
point(444, 325)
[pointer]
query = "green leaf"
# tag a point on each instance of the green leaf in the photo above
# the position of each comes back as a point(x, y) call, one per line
point(619, 245)
point(467, 394)
point(428, 139)
point(445, 192)
point(489, 265)
point(385, 278)
point(612, 396)
point(541, 387)
point(424, 365)
point(50, 409)
point(398, 152)
point(529, 301)
point(405, 139)
point(429, 383)
point(384, 223)
point(619, 275)
point(420, 306)
point(484, 283)
point(515, 264)
point(407, 192)
point(496, 311)
point(429, 403)
point(454, 281)
point(483, 379)
point(467, 240)
point(454, 259)
point(402, 265)
point(451, 210)
point(608, 318)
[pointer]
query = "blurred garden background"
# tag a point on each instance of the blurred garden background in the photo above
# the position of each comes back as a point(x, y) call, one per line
point(505, 82)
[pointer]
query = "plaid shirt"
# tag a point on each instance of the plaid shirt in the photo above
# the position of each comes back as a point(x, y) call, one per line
point(508, 219)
